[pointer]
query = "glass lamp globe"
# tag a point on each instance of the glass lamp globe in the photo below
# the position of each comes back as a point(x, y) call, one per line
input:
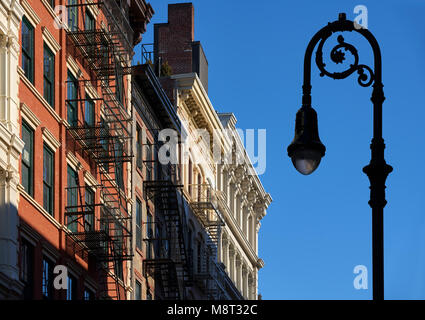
point(306, 150)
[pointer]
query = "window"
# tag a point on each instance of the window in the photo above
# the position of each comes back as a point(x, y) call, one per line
point(28, 49)
point(105, 145)
point(149, 162)
point(88, 294)
point(119, 93)
point(72, 198)
point(72, 100)
point(89, 112)
point(48, 179)
point(27, 268)
point(89, 210)
point(190, 177)
point(49, 76)
point(119, 172)
point(118, 263)
point(51, 3)
point(139, 152)
point(138, 224)
point(47, 282)
point(148, 295)
point(71, 293)
point(89, 23)
point(73, 15)
point(28, 158)
point(149, 234)
point(200, 188)
point(138, 293)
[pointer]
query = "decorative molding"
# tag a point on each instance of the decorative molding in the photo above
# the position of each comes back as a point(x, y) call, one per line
point(91, 91)
point(49, 9)
point(29, 116)
point(94, 10)
point(72, 160)
point(90, 180)
point(73, 67)
point(50, 139)
point(30, 14)
point(50, 40)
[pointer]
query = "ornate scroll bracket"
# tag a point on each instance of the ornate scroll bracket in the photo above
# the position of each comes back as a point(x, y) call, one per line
point(338, 55)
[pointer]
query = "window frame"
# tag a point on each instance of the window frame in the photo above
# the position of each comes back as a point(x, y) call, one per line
point(89, 111)
point(71, 292)
point(47, 279)
point(89, 18)
point(28, 53)
point(138, 290)
point(26, 271)
point(49, 80)
point(139, 223)
point(29, 165)
point(89, 218)
point(70, 199)
point(49, 185)
point(73, 15)
point(72, 105)
point(149, 233)
point(139, 147)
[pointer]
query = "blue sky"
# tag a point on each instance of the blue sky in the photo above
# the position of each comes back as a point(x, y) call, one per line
point(318, 227)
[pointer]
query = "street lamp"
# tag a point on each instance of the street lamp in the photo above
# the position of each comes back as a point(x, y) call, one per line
point(306, 150)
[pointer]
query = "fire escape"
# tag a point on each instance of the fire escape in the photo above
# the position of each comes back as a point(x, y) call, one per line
point(102, 130)
point(171, 263)
point(204, 206)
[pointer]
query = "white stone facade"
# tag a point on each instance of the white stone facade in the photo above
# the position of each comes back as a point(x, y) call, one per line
point(10, 148)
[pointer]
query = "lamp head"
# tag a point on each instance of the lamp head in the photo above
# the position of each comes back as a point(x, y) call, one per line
point(306, 150)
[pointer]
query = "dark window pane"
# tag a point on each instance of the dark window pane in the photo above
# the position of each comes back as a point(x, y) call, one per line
point(28, 49)
point(89, 112)
point(72, 100)
point(72, 199)
point(27, 268)
point(139, 224)
point(89, 210)
point(48, 176)
point(73, 15)
point(88, 294)
point(49, 75)
point(89, 23)
point(71, 293)
point(47, 281)
point(27, 158)
point(138, 293)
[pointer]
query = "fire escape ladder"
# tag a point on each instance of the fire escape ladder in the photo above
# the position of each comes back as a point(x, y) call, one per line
point(203, 204)
point(171, 266)
point(102, 130)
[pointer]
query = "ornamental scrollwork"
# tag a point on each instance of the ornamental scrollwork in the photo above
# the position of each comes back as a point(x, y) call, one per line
point(338, 55)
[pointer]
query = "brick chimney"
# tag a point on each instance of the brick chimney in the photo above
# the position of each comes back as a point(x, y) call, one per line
point(175, 45)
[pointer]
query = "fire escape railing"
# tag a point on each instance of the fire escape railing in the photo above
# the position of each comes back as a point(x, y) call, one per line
point(101, 128)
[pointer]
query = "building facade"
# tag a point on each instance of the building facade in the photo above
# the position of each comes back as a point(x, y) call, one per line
point(222, 202)
point(82, 183)
point(67, 189)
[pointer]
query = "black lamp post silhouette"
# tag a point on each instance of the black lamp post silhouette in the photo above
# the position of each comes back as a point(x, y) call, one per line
point(306, 150)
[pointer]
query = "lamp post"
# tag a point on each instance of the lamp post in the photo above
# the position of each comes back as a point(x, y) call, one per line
point(306, 150)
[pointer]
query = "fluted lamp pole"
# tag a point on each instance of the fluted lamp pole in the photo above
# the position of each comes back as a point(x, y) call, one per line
point(306, 150)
